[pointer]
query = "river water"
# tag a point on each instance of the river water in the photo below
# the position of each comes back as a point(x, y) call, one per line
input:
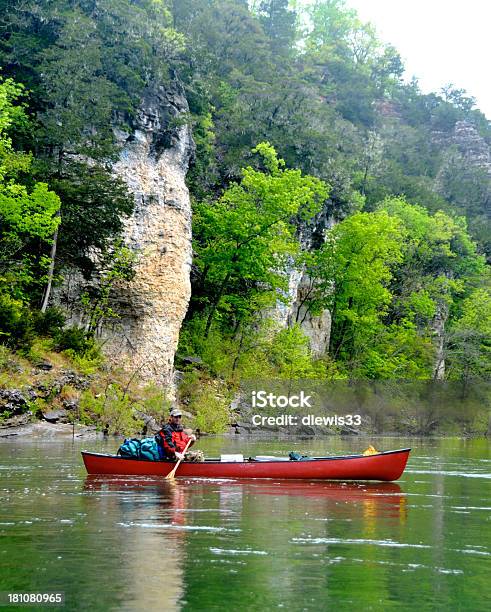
point(138, 544)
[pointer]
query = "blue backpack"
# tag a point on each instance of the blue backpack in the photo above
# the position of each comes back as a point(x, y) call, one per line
point(130, 448)
point(149, 449)
point(134, 448)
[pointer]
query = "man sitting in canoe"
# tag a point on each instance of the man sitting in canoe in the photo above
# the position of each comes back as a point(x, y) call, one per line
point(172, 439)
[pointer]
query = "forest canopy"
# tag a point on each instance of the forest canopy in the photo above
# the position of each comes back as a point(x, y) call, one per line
point(312, 154)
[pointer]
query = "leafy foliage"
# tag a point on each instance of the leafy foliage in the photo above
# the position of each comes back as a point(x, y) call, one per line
point(469, 340)
point(355, 268)
point(28, 218)
point(391, 279)
point(396, 211)
point(244, 239)
point(115, 265)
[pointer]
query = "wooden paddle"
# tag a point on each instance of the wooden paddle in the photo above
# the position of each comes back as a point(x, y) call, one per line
point(170, 475)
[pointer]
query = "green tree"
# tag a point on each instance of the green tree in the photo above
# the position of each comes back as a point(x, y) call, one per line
point(440, 265)
point(439, 257)
point(279, 23)
point(354, 270)
point(28, 215)
point(347, 56)
point(243, 241)
point(88, 65)
point(95, 204)
point(468, 189)
point(290, 356)
point(469, 339)
point(115, 265)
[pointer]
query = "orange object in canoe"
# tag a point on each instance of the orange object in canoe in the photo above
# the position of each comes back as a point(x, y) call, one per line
point(388, 465)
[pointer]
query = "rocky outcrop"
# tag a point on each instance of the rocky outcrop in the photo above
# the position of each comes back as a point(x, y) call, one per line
point(472, 146)
point(153, 162)
point(13, 401)
point(317, 328)
point(17, 406)
point(296, 310)
point(465, 150)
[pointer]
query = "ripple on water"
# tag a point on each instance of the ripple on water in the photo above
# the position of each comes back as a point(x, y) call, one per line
point(405, 567)
point(234, 551)
point(389, 543)
point(470, 551)
point(179, 527)
point(471, 507)
point(452, 473)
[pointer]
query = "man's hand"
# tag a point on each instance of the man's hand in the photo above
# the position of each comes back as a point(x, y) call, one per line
point(193, 437)
point(179, 456)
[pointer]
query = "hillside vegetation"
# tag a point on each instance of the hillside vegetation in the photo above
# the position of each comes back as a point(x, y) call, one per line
point(312, 154)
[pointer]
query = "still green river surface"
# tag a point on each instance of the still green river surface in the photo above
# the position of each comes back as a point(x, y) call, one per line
point(140, 544)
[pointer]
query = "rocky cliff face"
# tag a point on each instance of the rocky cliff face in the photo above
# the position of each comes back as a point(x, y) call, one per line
point(464, 150)
point(473, 147)
point(154, 162)
point(317, 328)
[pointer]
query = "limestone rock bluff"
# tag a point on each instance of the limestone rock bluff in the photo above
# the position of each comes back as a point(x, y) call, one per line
point(317, 328)
point(153, 162)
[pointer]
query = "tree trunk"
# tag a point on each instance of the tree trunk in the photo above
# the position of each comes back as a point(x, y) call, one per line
point(51, 272)
point(214, 305)
point(239, 351)
point(439, 329)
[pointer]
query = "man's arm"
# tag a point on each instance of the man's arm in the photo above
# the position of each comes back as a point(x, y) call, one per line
point(166, 437)
point(181, 444)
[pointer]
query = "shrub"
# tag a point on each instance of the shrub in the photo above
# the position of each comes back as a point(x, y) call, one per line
point(74, 339)
point(257, 351)
point(214, 349)
point(49, 323)
point(111, 408)
point(153, 401)
point(89, 362)
point(34, 353)
point(211, 406)
point(38, 406)
point(16, 327)
point(5, 358)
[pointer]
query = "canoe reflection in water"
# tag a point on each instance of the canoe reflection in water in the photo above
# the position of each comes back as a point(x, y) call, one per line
point(180, 536)
point(386, 497)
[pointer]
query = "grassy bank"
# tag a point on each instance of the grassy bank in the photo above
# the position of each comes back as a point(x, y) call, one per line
point(68, 386)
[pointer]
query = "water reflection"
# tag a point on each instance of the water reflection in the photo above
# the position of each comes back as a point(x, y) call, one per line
point(373, 498)
point(134, 543)
point(153, 519)
point(238, 528)
point(345, 490)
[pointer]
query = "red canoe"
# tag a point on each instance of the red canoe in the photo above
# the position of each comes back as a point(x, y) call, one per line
point(387, 465)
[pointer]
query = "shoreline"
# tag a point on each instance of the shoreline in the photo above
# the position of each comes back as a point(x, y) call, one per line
point(44, 429)
point(47, 430)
